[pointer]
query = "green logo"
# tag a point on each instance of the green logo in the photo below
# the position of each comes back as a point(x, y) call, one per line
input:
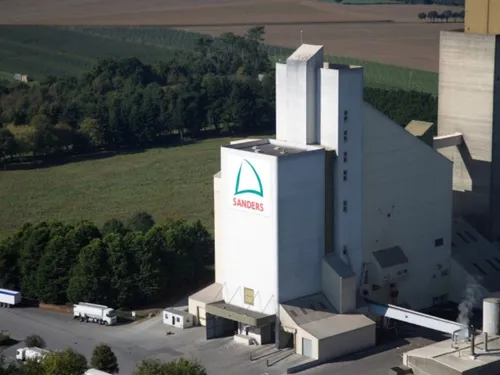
point(237, 190)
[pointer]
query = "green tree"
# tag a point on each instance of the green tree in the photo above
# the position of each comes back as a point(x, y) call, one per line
point(122, 268)
point(7, 143)
point(35, 341)
point(9, 260)
point(104, 359)
point(54, 271)
point(140, 221)
point(92, 130)
point(90, 279)
point(68, 362)
point(113, 226)
point(30, 367)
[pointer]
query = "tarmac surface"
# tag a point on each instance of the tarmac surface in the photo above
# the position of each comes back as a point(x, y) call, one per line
point(145, 339)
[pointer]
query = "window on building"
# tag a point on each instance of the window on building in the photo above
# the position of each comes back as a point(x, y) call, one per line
point(345, 135)
point(344, 206)
point(345, 116)
point(438, 242)
point(345, 175)
point(249, 296)
point(178, 319)
point(479, 268)
point(345, 156)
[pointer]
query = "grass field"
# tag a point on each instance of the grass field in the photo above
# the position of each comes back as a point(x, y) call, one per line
point(42, 50)
point(165, 182)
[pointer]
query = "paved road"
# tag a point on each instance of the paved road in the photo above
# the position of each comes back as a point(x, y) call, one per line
point(135, 342)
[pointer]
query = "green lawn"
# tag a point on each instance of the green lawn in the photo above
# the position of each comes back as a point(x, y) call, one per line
point(42, 50)
point(165, 182)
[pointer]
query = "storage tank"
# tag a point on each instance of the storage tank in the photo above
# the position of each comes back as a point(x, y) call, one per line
point(491, 316)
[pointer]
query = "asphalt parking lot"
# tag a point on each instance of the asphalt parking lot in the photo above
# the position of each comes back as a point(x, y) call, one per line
point(135, 342)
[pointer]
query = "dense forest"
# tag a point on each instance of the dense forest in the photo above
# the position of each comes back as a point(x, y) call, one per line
point(122, 264)
point(216, 89)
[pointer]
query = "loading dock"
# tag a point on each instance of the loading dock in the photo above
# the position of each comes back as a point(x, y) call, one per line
point(223, 319)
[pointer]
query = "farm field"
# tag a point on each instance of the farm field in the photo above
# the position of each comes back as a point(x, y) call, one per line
point(166, 182)
point(390, 34)
point(67, 50)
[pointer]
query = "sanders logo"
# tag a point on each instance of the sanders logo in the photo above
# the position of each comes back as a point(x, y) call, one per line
point(248, 182)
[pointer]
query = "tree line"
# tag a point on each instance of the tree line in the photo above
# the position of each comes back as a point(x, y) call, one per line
point(447, 15)
point(122, 265)
point(219, 88)
point(70, 362)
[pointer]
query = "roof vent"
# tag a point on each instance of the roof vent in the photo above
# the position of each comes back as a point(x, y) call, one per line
point(283, 152)
point(276, 148)
point(255, 147)
point(257, 150)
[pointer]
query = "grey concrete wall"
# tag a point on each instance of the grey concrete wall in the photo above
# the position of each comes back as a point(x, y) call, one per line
point(495, 170)
point(466, 103)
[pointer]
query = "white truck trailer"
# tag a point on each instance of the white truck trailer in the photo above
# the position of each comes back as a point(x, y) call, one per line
point(9, 298)
point(93, 371)
point(93, 313)
point(23, 354)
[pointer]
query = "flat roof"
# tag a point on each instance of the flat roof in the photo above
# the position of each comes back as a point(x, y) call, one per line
point(319, 318)
point(209, 294)
point(338, 265)
point(272, 147)
point(459, 359)
point(239, 314)
point(390, 257)
point(418, 128)
point(304, 52)
point(478, 257)
point(178, 312)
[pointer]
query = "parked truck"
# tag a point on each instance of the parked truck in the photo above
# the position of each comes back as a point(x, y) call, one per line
point(9, 298)
point(93, 371)
point(23, 354)
point(93, 313)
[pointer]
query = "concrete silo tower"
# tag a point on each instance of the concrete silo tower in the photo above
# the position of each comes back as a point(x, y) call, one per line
point(469, 114)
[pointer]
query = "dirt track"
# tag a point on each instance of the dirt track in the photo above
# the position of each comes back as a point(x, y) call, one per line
point(354, 31)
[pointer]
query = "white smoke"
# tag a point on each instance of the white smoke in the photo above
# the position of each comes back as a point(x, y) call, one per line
point(472, 296)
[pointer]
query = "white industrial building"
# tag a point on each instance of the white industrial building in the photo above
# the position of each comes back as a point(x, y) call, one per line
point(346, 214)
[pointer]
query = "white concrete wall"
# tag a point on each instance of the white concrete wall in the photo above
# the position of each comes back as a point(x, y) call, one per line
point(249, 236)
point(346, 343)
point(466, 105)
point(296, 100)
point(407, 201)
point(219, 251)
point(179, 321)
point(342, 93)
point(301, 213)
point(281, 103)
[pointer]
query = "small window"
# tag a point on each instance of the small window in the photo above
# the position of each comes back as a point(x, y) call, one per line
point(444, 273)
point(438, 242)
point(345, 116)
point(344, 206)
point(345, 156)
point(178, 320)
point(293, 313)
point(249, 296)
point(304, 311)
point(345, 135)
point(345, 175)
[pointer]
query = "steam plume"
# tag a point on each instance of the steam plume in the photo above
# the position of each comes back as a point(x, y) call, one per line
point(472, 296)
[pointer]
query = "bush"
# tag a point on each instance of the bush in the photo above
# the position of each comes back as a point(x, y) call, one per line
point(35, 341)
point(104, 359)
